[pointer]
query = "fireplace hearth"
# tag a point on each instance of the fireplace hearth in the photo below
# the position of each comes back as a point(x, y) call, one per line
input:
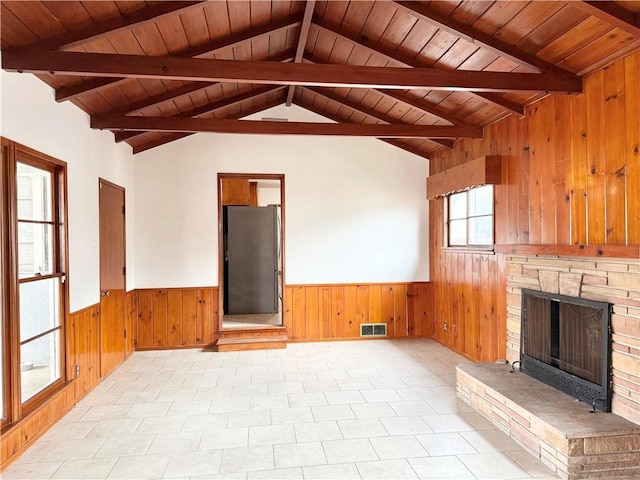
point(565, 343)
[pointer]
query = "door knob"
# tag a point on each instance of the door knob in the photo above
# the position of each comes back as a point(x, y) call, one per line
point(104, 293)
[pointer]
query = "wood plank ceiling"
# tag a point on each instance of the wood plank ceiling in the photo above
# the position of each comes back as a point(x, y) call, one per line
point(418, 75)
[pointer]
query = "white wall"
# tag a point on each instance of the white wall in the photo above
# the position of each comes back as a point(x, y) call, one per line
point(355, 207)
point(30, 115)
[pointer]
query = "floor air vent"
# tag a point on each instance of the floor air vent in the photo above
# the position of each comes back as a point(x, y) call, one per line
point(373, 329)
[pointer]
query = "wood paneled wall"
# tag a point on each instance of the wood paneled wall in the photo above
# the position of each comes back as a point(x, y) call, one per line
point(571, 177)
point(328, 312)
point(175, 317)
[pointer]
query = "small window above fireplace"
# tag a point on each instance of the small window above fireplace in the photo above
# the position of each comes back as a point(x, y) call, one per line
point(565, 343)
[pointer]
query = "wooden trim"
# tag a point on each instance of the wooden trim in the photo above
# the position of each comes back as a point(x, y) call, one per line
point(363, 339)
point(485, 170)
point(595, 251)
point(470, 250)
point(13, 332)
point(87, 309)
point(153, 289)
point(357, 284)
point(5, 267)
point(200, 69)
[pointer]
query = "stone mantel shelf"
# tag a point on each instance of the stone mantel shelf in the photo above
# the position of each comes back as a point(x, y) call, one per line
point(596, 251)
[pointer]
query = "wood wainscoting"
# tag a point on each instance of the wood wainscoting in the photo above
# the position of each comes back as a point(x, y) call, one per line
point(334, 312)
point(83, 344)
point(188, 317)
point(175, 317)
point(83, 351)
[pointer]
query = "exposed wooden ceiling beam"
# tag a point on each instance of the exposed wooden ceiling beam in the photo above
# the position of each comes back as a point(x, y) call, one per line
point(199, 111)
point(255, 33)
point(498, 99)
point(613, 13)
point(336, 118)
point(71, 92)
point(170, 95)
point(430, 108)
point(110, 26)
point(302, 42)
point(369, 112)
point(422, 106)
point(176, 136)
point(407, 61)
point(177, 124)
point(479, 38)
point(178, 68)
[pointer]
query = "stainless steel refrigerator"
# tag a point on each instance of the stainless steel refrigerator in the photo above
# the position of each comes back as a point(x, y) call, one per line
point(250, 259)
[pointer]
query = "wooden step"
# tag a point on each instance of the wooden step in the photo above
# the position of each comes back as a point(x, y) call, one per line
point(259, 343)
point(255, 338)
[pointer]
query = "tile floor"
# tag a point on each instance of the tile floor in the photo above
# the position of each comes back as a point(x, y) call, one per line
point(379, 409)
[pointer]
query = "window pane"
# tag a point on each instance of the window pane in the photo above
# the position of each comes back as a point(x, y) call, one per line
point(39, 307)
point(35, 248)
point(481, 230)
point(458, 232)
point(458, 205)
point(481, 201)
point(40, 364)
point(34, 193)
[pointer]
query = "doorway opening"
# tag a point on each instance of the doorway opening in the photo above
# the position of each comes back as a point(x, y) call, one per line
point(251, 250)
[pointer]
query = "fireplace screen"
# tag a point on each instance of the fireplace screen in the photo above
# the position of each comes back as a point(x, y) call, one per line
point(565, 344)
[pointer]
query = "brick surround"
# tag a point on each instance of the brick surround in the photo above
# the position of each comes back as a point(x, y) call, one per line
point(549, 424)
point(616, 281)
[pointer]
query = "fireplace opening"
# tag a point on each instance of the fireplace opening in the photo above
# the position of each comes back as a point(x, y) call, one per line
point(565, 344)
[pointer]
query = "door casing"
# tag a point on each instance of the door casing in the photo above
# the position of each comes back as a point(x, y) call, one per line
point(249, 176)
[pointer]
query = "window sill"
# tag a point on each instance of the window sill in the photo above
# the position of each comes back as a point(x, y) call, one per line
point(478, 250)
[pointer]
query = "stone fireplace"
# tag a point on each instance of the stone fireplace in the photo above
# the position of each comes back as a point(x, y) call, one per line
point(564, 433)
point(615, 281)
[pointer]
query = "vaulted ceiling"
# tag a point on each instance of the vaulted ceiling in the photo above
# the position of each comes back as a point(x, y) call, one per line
point(418, 75)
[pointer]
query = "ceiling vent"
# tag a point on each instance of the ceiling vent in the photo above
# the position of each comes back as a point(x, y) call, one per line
point(373, 329)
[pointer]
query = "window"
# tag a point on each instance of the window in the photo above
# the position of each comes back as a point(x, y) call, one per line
point(470, 218)
point(33, 282)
